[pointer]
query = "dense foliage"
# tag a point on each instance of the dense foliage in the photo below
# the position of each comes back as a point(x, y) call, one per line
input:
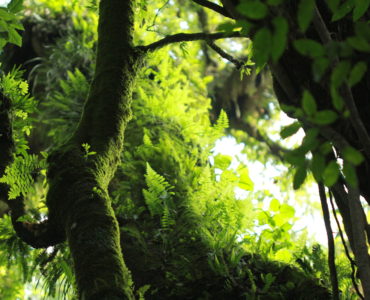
point(191, 223)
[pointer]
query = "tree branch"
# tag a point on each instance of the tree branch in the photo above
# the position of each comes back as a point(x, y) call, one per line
point(352, 263)
point(238, 63)
point(213, 6)
point(331, 248)
point(359, 239)
point(355, 118)
point(188, 37)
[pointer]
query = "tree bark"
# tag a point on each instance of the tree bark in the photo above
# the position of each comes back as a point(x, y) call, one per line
point(78, 200)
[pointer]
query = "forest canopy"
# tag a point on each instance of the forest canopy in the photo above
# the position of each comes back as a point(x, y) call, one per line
point(184, 149)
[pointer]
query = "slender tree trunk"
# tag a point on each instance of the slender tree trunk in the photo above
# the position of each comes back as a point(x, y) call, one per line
point(78, 200)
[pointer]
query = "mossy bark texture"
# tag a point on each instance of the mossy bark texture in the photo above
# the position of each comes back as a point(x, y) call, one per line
point(78, 201)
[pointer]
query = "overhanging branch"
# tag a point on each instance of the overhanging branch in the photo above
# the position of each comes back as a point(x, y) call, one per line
point(213, 6)
point(189, 37)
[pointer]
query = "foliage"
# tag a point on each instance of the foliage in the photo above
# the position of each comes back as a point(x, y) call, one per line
point(181, 220)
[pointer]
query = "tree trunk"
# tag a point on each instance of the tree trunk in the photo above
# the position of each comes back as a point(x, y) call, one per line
point(78, 199)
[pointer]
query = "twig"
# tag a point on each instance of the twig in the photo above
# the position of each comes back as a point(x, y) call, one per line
point(213, 6)
point(352, 263)
point(188, 37)
point(238, 63)
point(331, 247)
point(156, 16)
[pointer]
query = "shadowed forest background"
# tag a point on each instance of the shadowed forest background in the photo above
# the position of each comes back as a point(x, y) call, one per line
point(146, 150)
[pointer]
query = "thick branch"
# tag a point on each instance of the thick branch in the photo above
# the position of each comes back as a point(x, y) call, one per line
point(213, 6)
point(359, 239)
point(188, 37)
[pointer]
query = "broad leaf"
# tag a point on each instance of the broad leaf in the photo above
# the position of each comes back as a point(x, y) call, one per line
point(305, 13)
point(331, 173)
point(308, 103)
point(309, 48)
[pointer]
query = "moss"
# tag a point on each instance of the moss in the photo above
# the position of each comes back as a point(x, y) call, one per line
point(78, 201)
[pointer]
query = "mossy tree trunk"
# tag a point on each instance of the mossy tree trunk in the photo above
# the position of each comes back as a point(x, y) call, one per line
point(78, 201)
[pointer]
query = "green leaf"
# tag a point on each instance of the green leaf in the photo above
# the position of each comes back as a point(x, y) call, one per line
point(336, 98)
point(342, 11)
point(308, 103)
point(350, 174)
point(326, 148)
point(319, 67)
point(15, 6)
point(5, 15)
point(279, 38)
point(287, 211)
point(222, 161)
point(357, 72)
point(274, 205)
point(358, 43)
point(262, 46)
point(331, 173)
point(305, 13)
point(290, 130)
point(299, 177)
point(294, 158)
point(340, 73)
point(325, 117)
point(317, 166)
point(14, 37)
point(361, 6)
point(353, 156)
point(309, 48)
point(245, 181)
point(253, 9)
point(3, 26)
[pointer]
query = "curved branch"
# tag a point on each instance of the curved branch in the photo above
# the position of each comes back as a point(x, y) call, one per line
point(213, 6)
point(188, 37)
point(37, 235)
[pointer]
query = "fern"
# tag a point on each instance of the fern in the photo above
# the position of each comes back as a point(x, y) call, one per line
point(222, 123)
point(158, 197)
point(19, 174)
point(167, 220)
